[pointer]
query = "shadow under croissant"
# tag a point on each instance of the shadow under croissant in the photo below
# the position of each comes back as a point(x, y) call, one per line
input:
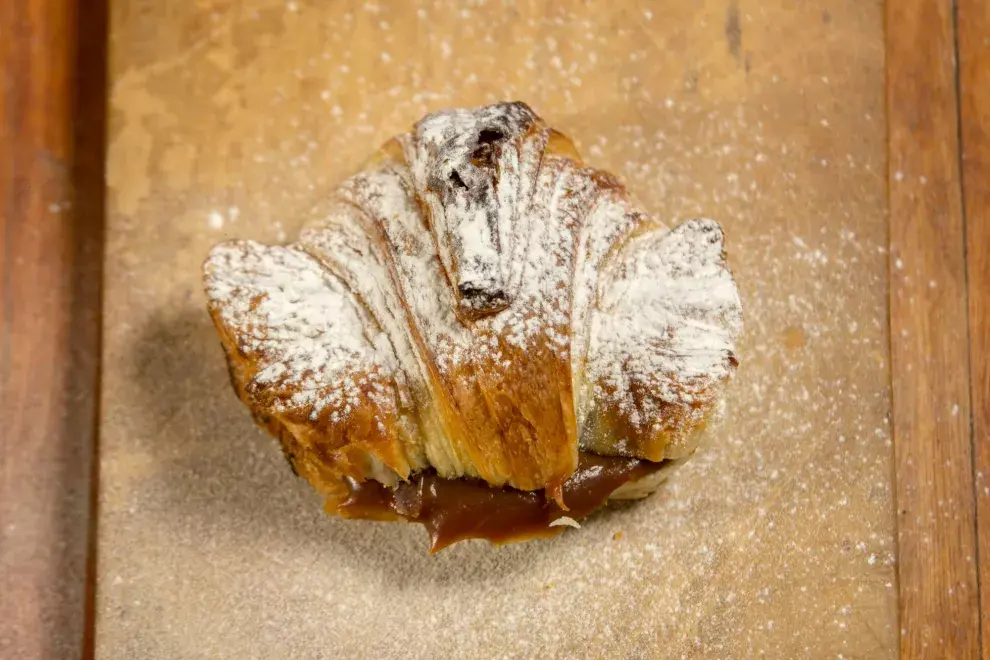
point(218, 473)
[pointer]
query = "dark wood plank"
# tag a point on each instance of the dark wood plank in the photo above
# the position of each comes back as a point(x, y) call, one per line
point(928, 324)
point(973, 21)
point(51, 209)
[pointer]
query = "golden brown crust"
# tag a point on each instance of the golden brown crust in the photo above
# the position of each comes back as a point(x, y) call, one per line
point(479, 302)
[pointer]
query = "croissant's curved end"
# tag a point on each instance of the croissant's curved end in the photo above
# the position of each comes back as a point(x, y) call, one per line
point(663, 342)
point(461, 160)
point(300, 346)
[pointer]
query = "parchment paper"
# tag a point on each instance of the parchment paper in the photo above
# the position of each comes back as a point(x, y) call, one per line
point(235, 119)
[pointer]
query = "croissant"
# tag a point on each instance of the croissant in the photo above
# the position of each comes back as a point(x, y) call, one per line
point(483, 335)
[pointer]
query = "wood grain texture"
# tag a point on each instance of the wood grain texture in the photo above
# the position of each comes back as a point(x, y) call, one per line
point(51, 191)
point(928, 317)
point(973, 25)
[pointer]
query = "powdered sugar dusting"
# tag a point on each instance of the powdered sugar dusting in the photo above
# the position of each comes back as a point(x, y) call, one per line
point(419, 280)
point(611, 218)
point(665, 329)
point(465, 217)
point(456, 154)
point(299, 324)
point(541, 311)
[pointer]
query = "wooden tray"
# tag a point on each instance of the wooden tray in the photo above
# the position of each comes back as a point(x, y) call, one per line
point(235, 120)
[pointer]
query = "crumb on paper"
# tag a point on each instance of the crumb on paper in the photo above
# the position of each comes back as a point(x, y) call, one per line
point(565, 520)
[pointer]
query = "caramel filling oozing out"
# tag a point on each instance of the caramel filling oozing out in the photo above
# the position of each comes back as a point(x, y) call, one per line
point(453, 510)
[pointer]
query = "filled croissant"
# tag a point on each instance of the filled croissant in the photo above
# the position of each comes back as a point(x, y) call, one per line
point(483, 335)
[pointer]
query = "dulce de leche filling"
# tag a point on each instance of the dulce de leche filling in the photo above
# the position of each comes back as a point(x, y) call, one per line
point(453, 510)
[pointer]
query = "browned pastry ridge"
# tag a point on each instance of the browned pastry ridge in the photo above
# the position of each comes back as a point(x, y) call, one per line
point(483, 335)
